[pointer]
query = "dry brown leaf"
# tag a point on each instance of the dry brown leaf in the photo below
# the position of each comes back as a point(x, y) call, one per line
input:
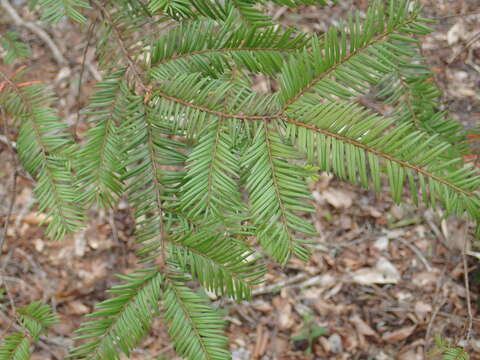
point(382, 356)
point(334, 291)
point(64, 328)
point(262, 306)
point(335, 343)
point(39, 244)
point(398, 335)
point(339, 198)
point(77, 308)
point(279, 344)
point(351, 261)
point(456, 33)
point(284, 310)
point(410, 355)
point(324, 181)
point(384, 272)
point(79, 243)
point(350, 341)
point(421, 310)
point(362, 327)
point(397, 211)
point(325, 344)
point(475, 344)
point(381, 243)
point(262, 341)
point(324, 308)
point(34, 218)
point(319, 349)
point(374, 212)
point(425, 278)
point(465, 92)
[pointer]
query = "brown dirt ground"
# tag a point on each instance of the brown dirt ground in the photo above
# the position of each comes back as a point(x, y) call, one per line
point(383, 279)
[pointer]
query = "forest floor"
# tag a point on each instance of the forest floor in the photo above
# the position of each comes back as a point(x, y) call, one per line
point(382, 282)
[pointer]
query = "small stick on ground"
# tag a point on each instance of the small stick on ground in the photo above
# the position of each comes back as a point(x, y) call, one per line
point(440, 236)
point(437, 308)
point(280, 285)
point(14, 180)
point(474, 38)
point(467, 287)
point(12, 203)
point(5, 140)
point(91, 28)
point(417, 252)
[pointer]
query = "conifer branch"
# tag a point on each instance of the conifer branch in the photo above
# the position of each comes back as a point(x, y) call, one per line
point(207, 162)
point(186, 313)
point(221, 264)
point(221, 50)
point(376, 39)
point(57, 54)
point(120, 323)
point(33, 320)
point(277, 190)
point(195, 328)
point(220, 114)
point(43, 154)
point(100, 159)
point(158, 191)
point(383, 155)
point(131, 64)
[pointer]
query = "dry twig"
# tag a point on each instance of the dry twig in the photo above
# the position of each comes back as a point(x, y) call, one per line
point(91, 28)
point(280, 285)
point(10, 207)
point(474, 38)
point(436, 311)
point(467, 287)
point(8, 142)
point(14, 181)
point(417, 252)
point(440, 236)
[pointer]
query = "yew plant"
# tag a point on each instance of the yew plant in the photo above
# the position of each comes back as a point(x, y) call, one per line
point(213, 168)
